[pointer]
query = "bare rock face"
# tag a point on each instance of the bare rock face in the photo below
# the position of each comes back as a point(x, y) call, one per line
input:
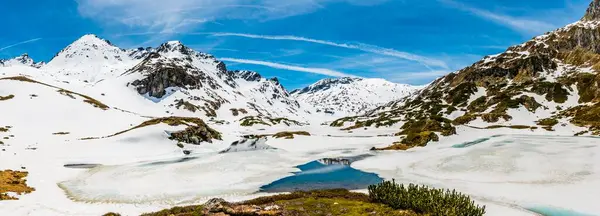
point(593, 12)
point(156, 83)
point(196, 134)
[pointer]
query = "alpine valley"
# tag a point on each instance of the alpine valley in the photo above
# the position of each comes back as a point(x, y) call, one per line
point(101, 129)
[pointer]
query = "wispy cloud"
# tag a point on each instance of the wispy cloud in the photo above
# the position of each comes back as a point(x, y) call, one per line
point(521, 24)
point(175, 15)
point(20, 43)
point(322, 71)
point(358, 46)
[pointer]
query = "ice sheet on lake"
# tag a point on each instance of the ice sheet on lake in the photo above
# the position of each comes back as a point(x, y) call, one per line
point(514, 169)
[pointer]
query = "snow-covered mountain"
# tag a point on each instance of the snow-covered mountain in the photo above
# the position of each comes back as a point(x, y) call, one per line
point(183, 82)
point(186, 81)
point(549, 83)
point(92, 59)
point(350, 96)
point(22, 60)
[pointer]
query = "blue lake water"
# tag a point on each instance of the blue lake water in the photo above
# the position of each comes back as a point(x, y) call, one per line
point(549, 211)
point(318, 175)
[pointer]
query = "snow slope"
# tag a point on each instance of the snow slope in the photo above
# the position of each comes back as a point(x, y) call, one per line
point(349, 96)
point(91, 59)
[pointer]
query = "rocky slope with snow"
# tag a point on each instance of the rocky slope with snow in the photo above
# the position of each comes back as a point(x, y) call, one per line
point(184, 82)
point(22, 60)
point(548, 83)
point(187, 82)
point(349, 96)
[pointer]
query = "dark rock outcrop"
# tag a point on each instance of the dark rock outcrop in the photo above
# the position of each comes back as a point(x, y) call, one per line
point(155, 83)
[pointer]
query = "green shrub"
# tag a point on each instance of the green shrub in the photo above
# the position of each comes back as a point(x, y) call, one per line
point(424, 200)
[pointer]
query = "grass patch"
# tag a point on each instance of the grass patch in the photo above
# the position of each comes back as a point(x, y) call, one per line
point(186, 105)
point(290, 134)
point(547, 123)
point(585, 116)
point(385, 199)
point(250, 121)
point(311, 203)
point(3, 98)
point(86, 99)
point(342, 121)
point(336, 206)
point(13, 181)
point(396, 146)
point(465, 119)
point(237, 112)
point(517, 127)
point(196, 132)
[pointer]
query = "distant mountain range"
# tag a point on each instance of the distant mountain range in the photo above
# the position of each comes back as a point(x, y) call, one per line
point(186, 82)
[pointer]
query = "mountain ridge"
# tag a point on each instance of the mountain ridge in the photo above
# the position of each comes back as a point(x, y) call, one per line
point(201, 81)
point(550, 82)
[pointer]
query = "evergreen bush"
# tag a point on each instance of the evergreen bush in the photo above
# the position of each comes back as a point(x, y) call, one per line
point(424, 200)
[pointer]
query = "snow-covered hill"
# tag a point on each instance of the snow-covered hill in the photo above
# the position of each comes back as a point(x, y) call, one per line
point(350, 96)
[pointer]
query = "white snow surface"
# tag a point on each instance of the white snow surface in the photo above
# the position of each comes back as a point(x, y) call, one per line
point(90, 59)
point(143, 171)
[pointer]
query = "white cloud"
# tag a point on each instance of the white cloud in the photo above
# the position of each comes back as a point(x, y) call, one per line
point(322, 71)
point(520, 24)
point(359, 46)
point(20, 43)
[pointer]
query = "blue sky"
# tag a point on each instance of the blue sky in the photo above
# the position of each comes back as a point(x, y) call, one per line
point(299, 41)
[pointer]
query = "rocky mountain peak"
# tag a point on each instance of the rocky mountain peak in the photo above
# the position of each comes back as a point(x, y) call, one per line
point(593, 11)
point(325, 84)
point(246, 75)
point(90, 45)
point(91, 40)
point(23, 59)
point(176, 49)
point(140, 52)
point(173, 46)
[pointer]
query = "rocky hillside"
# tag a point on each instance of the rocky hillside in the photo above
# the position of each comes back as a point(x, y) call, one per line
point(187, 81)
point(348, 96)
point(548, 83)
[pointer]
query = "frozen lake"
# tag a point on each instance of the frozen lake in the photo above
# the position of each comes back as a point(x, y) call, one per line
point(534, 174)
point(324, 175)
